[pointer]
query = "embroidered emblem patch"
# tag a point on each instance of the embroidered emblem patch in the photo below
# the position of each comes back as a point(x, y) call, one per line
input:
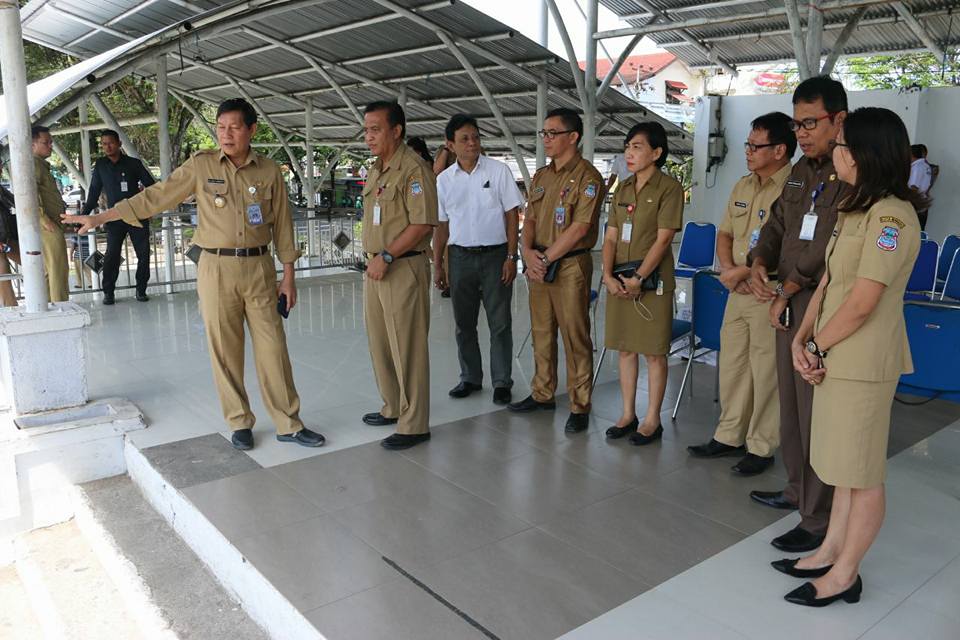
point(590, 191)
point(897, 221)
point(415, 188)
point(888, 238)
point(538, 190)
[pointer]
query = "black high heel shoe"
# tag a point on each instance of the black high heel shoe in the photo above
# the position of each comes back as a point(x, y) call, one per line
point(806, 595)
point(789, 567)
point(615, 432)
point(638, 439)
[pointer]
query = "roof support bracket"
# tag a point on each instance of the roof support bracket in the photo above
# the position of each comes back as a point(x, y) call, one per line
point(918, 30)
point(841, 41)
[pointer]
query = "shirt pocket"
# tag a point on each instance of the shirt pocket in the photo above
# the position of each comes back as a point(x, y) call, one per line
point(210, 193)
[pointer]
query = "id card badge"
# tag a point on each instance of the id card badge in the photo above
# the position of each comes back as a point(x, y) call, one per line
point(123, 186)
point(626, 232)
point(254, 215)
point(809, 227)
point(376, 213)
point(560, 215)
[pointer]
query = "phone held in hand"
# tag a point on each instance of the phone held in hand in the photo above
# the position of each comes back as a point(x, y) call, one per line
point(282, 305)
point(785, 317)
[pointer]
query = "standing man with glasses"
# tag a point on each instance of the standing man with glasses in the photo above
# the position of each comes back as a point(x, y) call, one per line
point(560, 228)
point(791, 250)
point(52, 206)
point(750, 410)
point(120, 176)
point(479, 211)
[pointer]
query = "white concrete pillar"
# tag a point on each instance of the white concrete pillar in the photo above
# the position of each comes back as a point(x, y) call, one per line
point(166, 163)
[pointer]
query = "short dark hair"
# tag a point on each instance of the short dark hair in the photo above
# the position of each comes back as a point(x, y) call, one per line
point(420, 146)
point(880, 145)
point(38, 129)
point(458, 122)
point(571, 120)
point(822, 88)
point(110, 133)
point(656, 137)
point(777, 126)
point(918, 150)
point(241, 105)
point(395, 114)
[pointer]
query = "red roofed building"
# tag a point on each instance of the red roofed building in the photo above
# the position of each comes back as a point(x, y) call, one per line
point(654, 78)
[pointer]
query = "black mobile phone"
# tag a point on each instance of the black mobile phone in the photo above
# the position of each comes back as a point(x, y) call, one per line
point(282, 305)
point(785, 316)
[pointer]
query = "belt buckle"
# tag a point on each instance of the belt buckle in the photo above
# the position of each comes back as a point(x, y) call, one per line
point(239, 253)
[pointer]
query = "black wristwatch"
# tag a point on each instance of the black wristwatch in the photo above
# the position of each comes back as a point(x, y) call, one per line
point(815, 350)
point(387, 256)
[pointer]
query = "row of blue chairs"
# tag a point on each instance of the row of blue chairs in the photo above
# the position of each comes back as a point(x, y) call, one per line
point(936, 272)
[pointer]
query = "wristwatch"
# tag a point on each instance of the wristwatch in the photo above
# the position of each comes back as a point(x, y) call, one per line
point(781, 292)
point(511, 256)
point(815, 350)
point(387, 256)
point(545, 260)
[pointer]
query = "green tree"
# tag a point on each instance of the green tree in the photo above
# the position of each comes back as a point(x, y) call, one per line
point(903, 71)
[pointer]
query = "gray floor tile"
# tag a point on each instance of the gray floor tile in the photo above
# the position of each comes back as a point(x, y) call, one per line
point(435, 522)
point(941, 593)
point(540, 429)
point(621, 461)
point(912, 621)
point(315, 562)
point(246, 504)
point(398, 610)
point(538, 486)
point(185, 463)
point(530, 586)
point(644, 537)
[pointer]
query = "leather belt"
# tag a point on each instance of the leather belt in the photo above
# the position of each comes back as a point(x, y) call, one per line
point(571, 254)
point(251, 252)
point(408, 254)
point(479, 249)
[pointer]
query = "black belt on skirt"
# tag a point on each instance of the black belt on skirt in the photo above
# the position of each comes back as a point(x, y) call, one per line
point(408, 254)
point(480, 249)
point(251, 252)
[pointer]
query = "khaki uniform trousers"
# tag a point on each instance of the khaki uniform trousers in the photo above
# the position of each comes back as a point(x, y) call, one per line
point(54, 248)
point(796, 410)
point(232, 290)
point(750, 407)
point(396, 311)
point(564, 304)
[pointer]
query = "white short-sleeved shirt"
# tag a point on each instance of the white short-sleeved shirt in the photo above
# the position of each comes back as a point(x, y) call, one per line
point(474, 203)
point(921, 175)
point(619, 166)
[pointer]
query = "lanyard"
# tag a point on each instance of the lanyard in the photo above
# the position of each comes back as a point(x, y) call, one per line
point(813, 197)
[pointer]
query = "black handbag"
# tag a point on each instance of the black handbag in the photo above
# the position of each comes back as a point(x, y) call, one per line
point(629, 270)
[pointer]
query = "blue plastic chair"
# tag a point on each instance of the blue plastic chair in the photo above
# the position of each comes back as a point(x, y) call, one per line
point(950, 246)
point(924, 274)
point(951, 286)
point(709, 303)
point(933, 330)
point(698, 245)
point(924, 235)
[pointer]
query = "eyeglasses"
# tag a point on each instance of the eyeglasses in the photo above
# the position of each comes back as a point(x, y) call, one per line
point(550, 135)
point(808, 123)
point(752, 148)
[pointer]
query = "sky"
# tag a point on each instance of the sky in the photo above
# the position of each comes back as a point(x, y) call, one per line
point(521, 15)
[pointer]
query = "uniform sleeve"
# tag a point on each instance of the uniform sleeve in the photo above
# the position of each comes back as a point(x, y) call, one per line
point(587, 205)
point(93, 194)
point(890, 247)
point(283, 241)
point(442, 214)
point(726, 225)
point(771, 238)
point(613, 217)
point(420, 197)
point(161, 196)
point(146, 178)
point(510, 196)
point(670, 214)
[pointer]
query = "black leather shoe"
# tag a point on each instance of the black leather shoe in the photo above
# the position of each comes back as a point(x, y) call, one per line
point(713, 449)
point(464, 389)
point(616, 432)
point(304, 437)
point(773, 499)
point(142, 297)
point(242, 439)
point(638, 439)
point(797, 540)
point(529, 404)
point(445, 293)
point(400, 441)
point(789, 567)
point(577, 422)
point(752, 465)
point(806, 595)
point(502, 395)
point(108, 299)
point(377, 420)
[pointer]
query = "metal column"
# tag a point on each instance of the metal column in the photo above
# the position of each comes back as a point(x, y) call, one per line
point(166, 164)
point(543, 29)
point(542, 88)
point(590, 82)
point(112, 122)
point(14, 74)
point(86, 166)
point(308, 182)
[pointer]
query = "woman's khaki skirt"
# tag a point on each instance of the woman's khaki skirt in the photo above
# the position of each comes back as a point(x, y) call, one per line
point(849, 432)
point(627, 330)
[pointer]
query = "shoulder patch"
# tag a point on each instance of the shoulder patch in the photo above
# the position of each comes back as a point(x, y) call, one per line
point(538, 190)
point(891, 219)
point(742, 205)
point(415, 188)
point(795, 184)
point(888, 238)
point(590, 191)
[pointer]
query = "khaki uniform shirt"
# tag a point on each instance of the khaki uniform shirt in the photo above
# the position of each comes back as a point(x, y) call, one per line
point(749, 209)
point(405, 191)
point(227, 197)
point(879, 244)
point(659, 205)
point(51, 202)
point(560, 196)
point(780, 246)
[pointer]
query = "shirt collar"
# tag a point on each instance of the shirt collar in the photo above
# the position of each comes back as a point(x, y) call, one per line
point(570, 163)
point(395, 159)
point(252, 158)
point(779, 178)
point(459, 169)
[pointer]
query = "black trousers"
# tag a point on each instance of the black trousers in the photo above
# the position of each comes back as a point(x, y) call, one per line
point(117, 232)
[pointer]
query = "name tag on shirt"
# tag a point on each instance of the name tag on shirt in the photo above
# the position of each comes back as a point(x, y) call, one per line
point(809, 226)
point(626, 232)
point(123, 186)
point(254, 215)
point(376, 214)
point(560, 215)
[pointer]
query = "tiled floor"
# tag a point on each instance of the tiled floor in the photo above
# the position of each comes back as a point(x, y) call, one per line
point(504, 526)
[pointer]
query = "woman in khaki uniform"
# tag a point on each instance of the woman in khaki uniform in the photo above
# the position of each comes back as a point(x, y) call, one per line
point(646, 212)
point(853, 345)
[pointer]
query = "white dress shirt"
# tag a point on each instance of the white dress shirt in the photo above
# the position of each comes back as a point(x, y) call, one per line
point(474, 203)
point(921, 175)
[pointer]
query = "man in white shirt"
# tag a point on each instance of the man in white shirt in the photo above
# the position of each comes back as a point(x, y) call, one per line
point(479, 209)
point(921, 176)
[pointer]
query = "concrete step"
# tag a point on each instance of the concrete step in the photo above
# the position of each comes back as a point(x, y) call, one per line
point(17, 619)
